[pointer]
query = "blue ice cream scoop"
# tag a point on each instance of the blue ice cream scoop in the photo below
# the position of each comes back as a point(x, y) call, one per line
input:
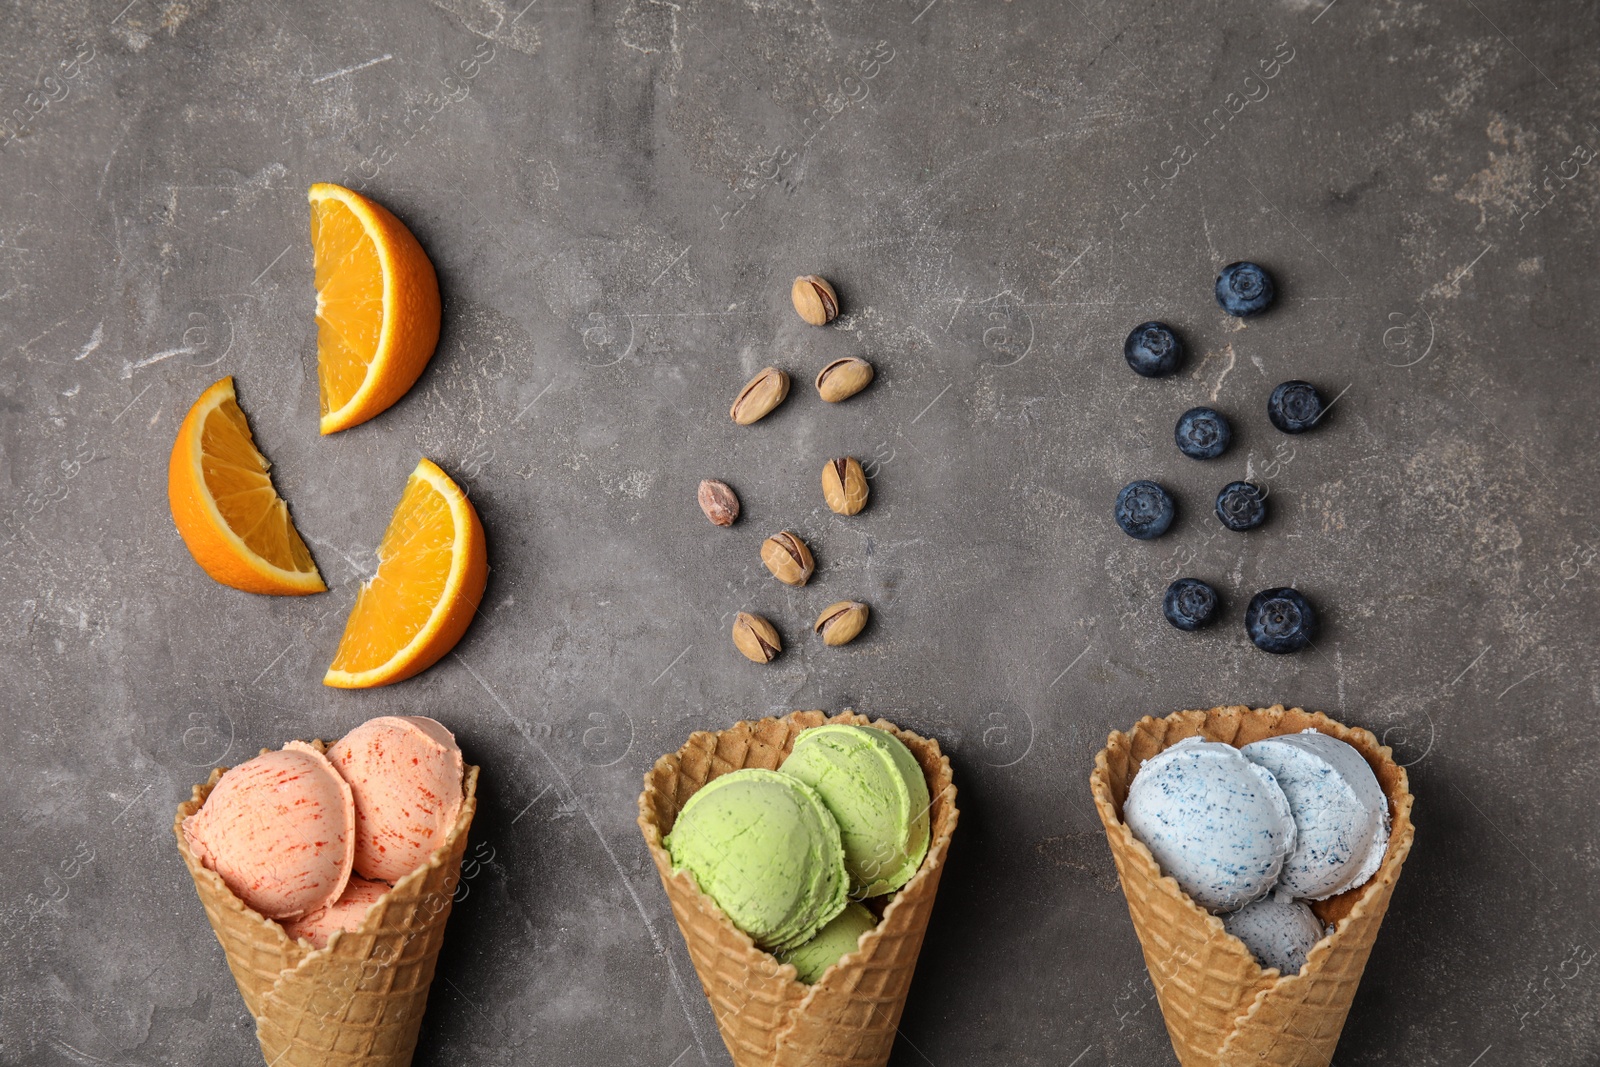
point(1213, 820)
point(1278, 930)
point(1340, 813)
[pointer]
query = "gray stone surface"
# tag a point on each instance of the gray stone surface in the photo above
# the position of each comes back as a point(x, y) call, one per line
point(616, 199)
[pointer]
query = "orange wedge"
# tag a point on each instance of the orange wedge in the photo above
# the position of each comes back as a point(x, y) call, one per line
point(432, 567)
point(223, 503)
point(377, 306)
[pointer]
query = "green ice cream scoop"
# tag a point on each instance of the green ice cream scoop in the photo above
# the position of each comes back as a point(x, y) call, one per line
point(835, 940)
point(763, 846)
point(874, 787)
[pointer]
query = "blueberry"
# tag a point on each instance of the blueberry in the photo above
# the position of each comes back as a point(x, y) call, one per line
point(1242, 506)
point(1190, 604)
point(1153, 350)
point(1280, 620)
point(1202, 433)
point(1144, 510)
point(1244, 289)
point(1295, 407)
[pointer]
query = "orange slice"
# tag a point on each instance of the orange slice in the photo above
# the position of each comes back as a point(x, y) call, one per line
point(432, 567)
point(377, 306)
point(223, 503)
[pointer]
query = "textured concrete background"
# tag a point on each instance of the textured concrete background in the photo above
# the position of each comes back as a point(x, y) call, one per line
point(616, 195)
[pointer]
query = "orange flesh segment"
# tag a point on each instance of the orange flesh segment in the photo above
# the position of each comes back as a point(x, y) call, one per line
point(413, 567)
point(236, 476)
point(349, 280)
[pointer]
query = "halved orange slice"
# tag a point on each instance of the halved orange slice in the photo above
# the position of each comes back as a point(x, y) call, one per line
point(377, 306)
point(432, 567)
point(236, 526)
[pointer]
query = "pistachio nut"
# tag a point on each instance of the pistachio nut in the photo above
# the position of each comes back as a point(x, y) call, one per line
point(815, 299)
point(788, 558)
point(759, 396)
point(755, 637)
point(843, 379)
point(719, 502)
point(841, 623)
point(844, 485)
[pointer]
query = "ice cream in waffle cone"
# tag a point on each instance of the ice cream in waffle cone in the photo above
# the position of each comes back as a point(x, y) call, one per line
point(768, 1018)
point(359, 1001)
point(1221, 1008)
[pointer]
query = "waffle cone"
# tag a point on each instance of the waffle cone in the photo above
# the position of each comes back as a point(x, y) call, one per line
point(1221, 1008)
point(767, 1017)
point(359, 1001)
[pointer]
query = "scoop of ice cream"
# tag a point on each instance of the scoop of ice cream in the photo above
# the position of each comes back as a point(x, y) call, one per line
point(1278, 930)
point(280, 830)
point(1216, 822)
point(836, 939)
point(1340, 813)
point(405, 775)
point(344, 914)
point(876, 791)
point(763, 846)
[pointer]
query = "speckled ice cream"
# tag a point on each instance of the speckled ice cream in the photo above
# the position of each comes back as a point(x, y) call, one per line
point(1340, 813)
point(875, 789)
point(344, 914)
point(405, 774)
point(834, 941)
point(280, 830)
point(1214, 821)
point(1278, 930)
point(763, 846)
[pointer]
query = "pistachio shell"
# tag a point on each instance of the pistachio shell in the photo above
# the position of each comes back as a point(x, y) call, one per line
point(788, 558)
point(841, 623)
point(814, 299)
point(756, 637)
point(843, 379)
point(759, 396)
point(844, 485)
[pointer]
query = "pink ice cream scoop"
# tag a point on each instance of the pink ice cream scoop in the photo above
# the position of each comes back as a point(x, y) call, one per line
point(281, 831)
point(345, 914)
point(405, 775)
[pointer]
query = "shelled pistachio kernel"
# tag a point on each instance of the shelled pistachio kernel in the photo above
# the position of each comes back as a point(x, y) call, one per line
point(756, 637)
point(788, 558)
point(759, 396)
point(843, 379)
point(844, 485)
point(814, 299)
point(718, 501)
point(841, 623)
